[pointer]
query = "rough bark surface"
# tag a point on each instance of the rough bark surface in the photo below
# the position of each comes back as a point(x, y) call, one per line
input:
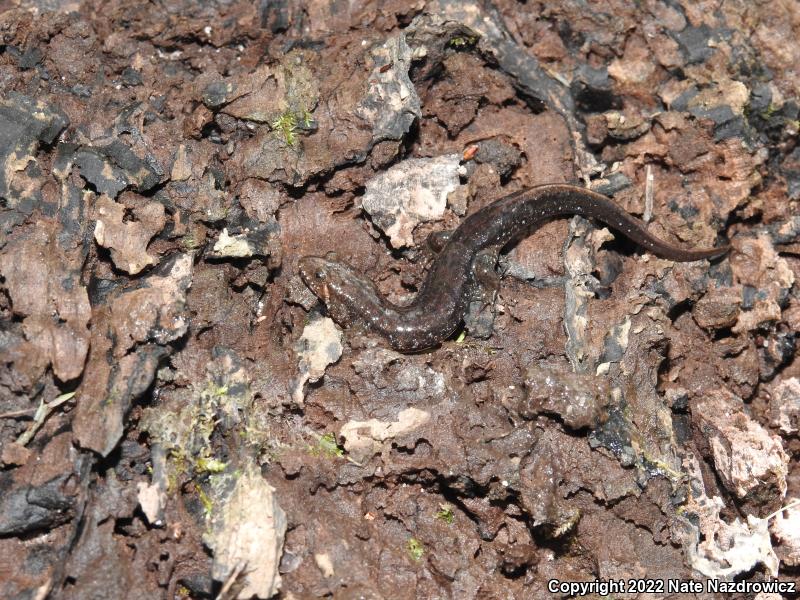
point(179, 417)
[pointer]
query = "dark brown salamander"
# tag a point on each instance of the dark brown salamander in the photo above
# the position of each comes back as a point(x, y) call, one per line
point(440, 305)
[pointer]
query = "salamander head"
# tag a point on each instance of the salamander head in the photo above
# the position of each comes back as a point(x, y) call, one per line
point(335, 283)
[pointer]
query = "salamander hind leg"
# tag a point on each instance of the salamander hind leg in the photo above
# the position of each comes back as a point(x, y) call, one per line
point(481, 309)
point(437, 240)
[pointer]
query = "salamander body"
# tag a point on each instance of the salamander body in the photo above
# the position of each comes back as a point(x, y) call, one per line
point(442, 301)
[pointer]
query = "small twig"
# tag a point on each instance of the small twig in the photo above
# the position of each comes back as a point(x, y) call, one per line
point(44, 590)
point(648, 195)
point(232, 579)
point(44, 410)
point(25, 412)
point(791, 504)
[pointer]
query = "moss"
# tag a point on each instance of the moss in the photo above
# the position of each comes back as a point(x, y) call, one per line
point(445, 513)
point(327, 446)
point(189, 242)
point(289, 123)
point(567, 524)
point(112, 398)
point(415, 549)
point(769, 111)
point(307, 119)
point(299, 92)
point(209, 465)
point(208, 506)
point(285, 126)
point(653, 464)
point(215, 391)
point(186, 434)
point(192, 424)
point(462, 42)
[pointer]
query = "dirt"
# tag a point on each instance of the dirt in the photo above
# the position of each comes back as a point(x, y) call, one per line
point(179, 416)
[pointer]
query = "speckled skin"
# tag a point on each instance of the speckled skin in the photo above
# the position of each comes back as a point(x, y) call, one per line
point(439, 307)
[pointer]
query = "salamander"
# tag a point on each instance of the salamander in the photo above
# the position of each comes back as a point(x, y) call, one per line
point(439, 307)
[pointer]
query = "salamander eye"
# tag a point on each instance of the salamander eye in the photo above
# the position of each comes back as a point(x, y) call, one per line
point(321, 275)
